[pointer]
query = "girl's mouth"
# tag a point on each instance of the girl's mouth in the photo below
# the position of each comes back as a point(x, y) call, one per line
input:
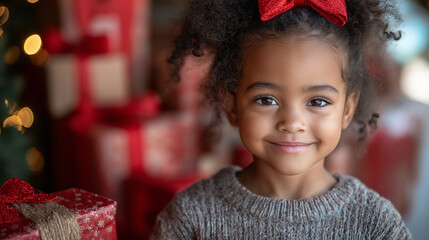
point(291, 147)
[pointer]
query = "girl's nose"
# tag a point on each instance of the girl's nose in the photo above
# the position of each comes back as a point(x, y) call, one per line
point(291, 121)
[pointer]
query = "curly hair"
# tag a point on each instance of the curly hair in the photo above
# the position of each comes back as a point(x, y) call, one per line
point(226, 26)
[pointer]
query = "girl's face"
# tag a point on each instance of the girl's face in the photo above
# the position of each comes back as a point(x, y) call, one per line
point(291, 104)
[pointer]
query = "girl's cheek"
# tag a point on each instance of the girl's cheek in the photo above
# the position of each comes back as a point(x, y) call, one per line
point(255, 124)
point(256, 121)
point(328, 125)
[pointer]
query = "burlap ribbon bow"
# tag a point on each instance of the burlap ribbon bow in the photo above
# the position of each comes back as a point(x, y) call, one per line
point(53, 220)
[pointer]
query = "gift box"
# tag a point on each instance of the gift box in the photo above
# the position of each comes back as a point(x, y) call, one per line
point(74, 163)
point(78, 81)
point(125, 24)
point(165, 146)
point(144, 198)
point(94, 215)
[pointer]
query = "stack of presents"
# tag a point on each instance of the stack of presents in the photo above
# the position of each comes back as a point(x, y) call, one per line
point(113, 133)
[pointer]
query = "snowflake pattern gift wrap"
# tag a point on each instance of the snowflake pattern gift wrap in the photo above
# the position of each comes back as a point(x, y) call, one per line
point(94, 214)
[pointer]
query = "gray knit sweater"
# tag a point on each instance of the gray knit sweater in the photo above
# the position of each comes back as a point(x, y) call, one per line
point(221, 208)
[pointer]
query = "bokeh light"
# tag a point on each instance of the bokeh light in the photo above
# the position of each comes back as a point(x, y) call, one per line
point(41, 58)
point(32, 44)
point(35, 160)
point(13, 121)
point(32, 1)
point(415, 80)
point(2, 9)
point(26, 116)
point(20, 118)
point(12, 55)
point(4, 14)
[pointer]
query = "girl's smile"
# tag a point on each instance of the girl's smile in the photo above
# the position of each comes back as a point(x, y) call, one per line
point(291, 107)
point(291, 147)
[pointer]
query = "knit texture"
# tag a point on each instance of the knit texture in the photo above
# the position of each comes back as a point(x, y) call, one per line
point(221, 208)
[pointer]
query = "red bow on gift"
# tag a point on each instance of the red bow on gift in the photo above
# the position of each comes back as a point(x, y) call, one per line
point(333, 10)
point(15, 190)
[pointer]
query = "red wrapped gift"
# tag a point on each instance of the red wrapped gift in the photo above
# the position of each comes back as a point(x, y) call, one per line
point(72, 151)
point(165, 146)
point(80, 81)
point(94, 214)
point(125, 24)
point(145, 197)
point(73, 148)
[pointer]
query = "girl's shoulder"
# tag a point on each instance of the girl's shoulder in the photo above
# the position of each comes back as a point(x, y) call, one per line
point(362, 194)
point(374, 211)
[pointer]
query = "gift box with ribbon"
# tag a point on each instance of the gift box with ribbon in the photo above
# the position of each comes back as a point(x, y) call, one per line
point(69, 214)
point(164, 146)
point(82, 81)
point(125, 24)
point(73, 146)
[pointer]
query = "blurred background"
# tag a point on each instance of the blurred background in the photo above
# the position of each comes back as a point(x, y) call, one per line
point(85, 101)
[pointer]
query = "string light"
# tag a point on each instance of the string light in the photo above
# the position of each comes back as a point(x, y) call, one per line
point(32, 44)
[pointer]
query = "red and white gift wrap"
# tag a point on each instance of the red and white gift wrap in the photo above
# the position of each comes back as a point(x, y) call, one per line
point(95, 215)
point(78, 82)
point(164, 146)
point(125, 24)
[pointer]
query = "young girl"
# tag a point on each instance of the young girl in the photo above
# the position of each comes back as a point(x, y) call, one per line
point(291, 76)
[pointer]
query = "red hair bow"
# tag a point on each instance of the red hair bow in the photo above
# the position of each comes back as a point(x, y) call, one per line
point(15, 190)
point(333, 10)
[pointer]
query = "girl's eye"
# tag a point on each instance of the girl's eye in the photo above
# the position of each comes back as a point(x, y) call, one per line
point(266, 101)
point(318, 102)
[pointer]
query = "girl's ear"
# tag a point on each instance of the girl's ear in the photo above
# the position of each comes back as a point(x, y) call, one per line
point(349, 109)
point(231, 111)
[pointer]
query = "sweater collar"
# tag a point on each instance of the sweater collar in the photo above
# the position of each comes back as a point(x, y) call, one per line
point(310, 209)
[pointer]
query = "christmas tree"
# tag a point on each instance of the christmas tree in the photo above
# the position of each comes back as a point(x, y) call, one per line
point(16, 25)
